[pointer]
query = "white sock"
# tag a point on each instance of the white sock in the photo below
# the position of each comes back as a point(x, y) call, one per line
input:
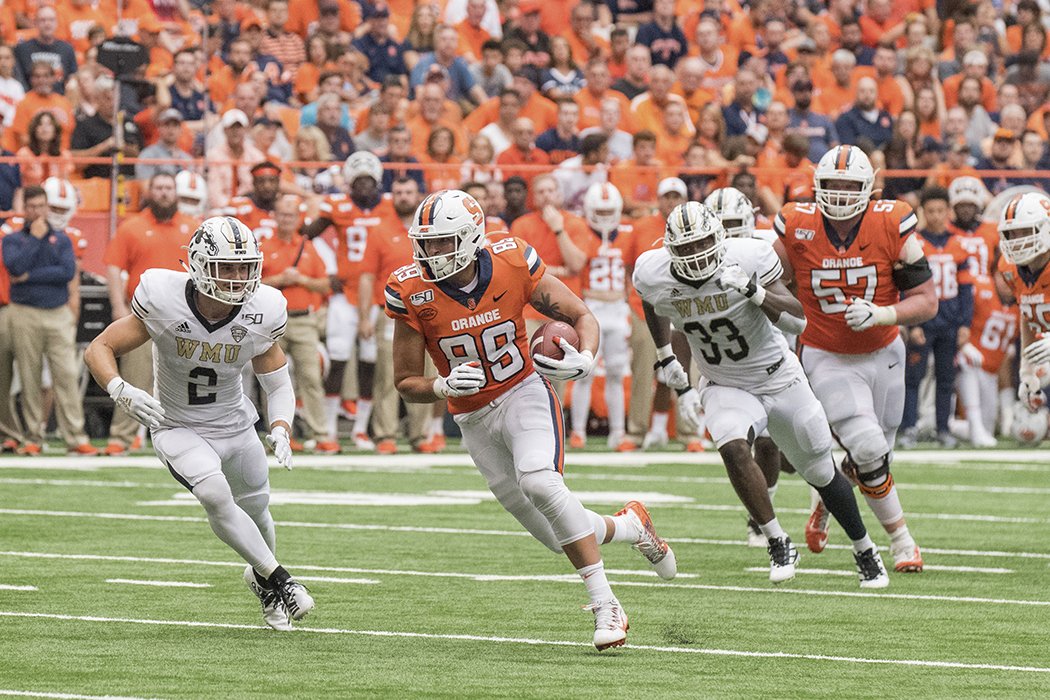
point(772, 490)
point(814, 498)
point(331, 415)
point(581, 406)
point(659, 424)
point(902, 537)
point(615, 402)
point(625, 530)
point(772, 530)
point(863, 545)
point(597, 584)
point(437, 426)
point(364, 414)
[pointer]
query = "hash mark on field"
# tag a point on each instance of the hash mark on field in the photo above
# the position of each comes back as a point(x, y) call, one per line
point(927, 567)
point(329, 579)
point(12, 587)
point(63, 696)
point(159, 584)
point(558, 578)
point(541, 642)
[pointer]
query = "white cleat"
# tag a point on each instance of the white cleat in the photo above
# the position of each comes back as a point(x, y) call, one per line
point(655, 438)
point(755, 538)
point(907, 559)
point(610, 624)
point(362, 442)
point(649, 544)
point(275, 613)
point(984, 440)
point(870, 569)
point(296, 598)
point(782, 559)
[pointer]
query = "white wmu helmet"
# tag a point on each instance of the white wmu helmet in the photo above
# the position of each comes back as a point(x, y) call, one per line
point(448, 214)
point(361, 163)
point(968, 189)
point(734, 210)
point(603, 207)
point(1024, 228)
point(223, 240)
point(192, 191)
point(695, 239)
point(62, 200)
point(843, 163)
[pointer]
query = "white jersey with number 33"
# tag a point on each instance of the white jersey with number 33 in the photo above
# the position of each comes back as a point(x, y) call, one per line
point(732, 341)
point(198, 363)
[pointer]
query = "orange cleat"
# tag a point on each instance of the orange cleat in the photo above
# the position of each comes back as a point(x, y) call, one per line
point(327, 447)
point(650, 545)
point(386, 447)
point(626, 445)
point(577, 441)
point(296, 445)
point(694, 446)
point(817, 529)
point(115, 449)
point(438, 442)
point(30, 449)
point(424, 447)
point(136, 444)
point(9, 445)
point(907, 560)
point(84, 449)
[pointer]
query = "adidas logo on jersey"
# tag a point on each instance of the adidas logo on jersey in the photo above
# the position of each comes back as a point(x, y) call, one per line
point(805, 234)
point(675, 292)
point(182, 328)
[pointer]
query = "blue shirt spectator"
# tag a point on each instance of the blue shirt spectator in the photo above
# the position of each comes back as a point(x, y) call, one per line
point(45, 48)
point(865, 120)
point(815, 127)
point(666, 41)
point(460, 81)
point(385, 56)
point(41, 266)
point(10, 182)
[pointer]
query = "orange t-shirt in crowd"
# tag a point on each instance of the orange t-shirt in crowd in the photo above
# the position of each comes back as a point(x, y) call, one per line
point(533, 230)
point(304, 16)
point(891, 97)
point(542, 112)
point(250, 214)
point(278, 256)
point(441, 176)
point(637, 186)
point(580, 53)
point(515, 156)
point(694, 101)
point(591, 106)
point(58, 105)
point(141, 243)
point(74, 22)
point(950, 86)
point(471, 39)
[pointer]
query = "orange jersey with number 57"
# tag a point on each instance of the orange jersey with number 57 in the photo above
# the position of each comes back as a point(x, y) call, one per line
point(1032, 292)
point(830, 271)
point(484, 325)
point(994, 325)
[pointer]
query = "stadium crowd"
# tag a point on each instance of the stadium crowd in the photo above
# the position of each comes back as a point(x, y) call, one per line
point(322, 126)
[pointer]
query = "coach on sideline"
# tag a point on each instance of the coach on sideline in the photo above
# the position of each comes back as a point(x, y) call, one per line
point(41, 264)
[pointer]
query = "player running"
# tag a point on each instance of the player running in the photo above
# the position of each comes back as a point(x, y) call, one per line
point(859, 271)
point(727, 297)
point(462, 303)
point(207, 324)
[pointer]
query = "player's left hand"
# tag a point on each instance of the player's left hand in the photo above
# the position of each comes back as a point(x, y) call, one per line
point(733, 277)
point(281, 444)
point(574, 365)
point(689, 409)
point(861, 315)
point(1038, 351)
point(969, 355)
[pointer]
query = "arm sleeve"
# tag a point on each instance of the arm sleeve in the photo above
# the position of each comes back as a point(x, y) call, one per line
point(280, 398)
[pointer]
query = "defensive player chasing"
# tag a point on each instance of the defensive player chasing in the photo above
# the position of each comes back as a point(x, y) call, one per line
point(859, 271)
point(727, 297)
point(206, 326)
point(463, 303)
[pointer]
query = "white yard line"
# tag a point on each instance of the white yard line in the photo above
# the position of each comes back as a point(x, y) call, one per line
point(329, 579)
point(159, 584)
point(559, 578)
point(545, 642)
point(12, 587)
point(63, 696)
point(926, 567)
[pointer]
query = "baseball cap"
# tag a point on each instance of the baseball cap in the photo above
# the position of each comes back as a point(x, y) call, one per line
point(758, 132)
point(975, 57)
point(1002, 134)
point(671, 184)
point(251, 21)
point(234, 116)
point(169, 115)
point(376, 11)
point(931, 145)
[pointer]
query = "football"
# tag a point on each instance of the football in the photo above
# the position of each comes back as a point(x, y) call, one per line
point(544, 339)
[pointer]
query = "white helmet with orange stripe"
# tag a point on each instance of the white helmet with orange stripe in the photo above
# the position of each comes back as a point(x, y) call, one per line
point(836, 195)
point(734, 210)
point(603, 207)
point(62, 200)
point(192, 191)
point(447, 231)
point(1024, 227)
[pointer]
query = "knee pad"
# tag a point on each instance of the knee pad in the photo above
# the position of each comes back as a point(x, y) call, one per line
point(254, 504)
point(214, 493)
point(863, 439)
point(873, 478)
point(548, 493)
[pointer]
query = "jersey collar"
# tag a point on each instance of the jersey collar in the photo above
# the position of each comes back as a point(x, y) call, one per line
point(1029, 275)
point(833, 236)
point(472, 298)
point(695, 284)
point(208, 325)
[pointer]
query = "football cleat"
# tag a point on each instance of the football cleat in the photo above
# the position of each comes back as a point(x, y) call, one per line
point(115, 449)
point(817, 529)
point(84, 449)
point(626, 445)
point(438, 442)
point(696, 446)
point(30, 449)
point(610, 624)
point(296, 598)
point(362, 442)
point(654, 438)
point(326, 447)
point(386, 447)
point(755, 538)
point(907, 559)
point(275, 613)
point(577, 441)
point(782, 559)
point(870, 569)
point(649, 544)
point(10, 445)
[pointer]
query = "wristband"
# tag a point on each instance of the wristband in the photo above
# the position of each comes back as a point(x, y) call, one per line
point(664, 352)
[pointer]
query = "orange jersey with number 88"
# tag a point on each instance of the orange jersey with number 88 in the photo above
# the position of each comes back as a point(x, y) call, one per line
point(829, 275)
point(485, 325)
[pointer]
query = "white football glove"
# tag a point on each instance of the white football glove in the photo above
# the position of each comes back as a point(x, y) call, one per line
point(670, 373)
point(734, 278)
point(861, 315)
point(463, 380)
point(140, 404)
point(281, 444)
point(575, 364)
point(690, 411)
point(1030, 393)
point(969, 355)
point(1038, 351)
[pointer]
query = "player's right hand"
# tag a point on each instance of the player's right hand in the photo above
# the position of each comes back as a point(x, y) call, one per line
point(689, 409)
point(670, 373)
point(140, 404)
point(861, 315)
point(464, 380)
point(969, 355)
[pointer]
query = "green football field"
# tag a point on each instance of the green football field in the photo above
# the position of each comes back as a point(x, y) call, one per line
point(112, 584)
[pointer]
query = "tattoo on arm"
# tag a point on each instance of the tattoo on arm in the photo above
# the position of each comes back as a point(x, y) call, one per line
point(550, 308)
